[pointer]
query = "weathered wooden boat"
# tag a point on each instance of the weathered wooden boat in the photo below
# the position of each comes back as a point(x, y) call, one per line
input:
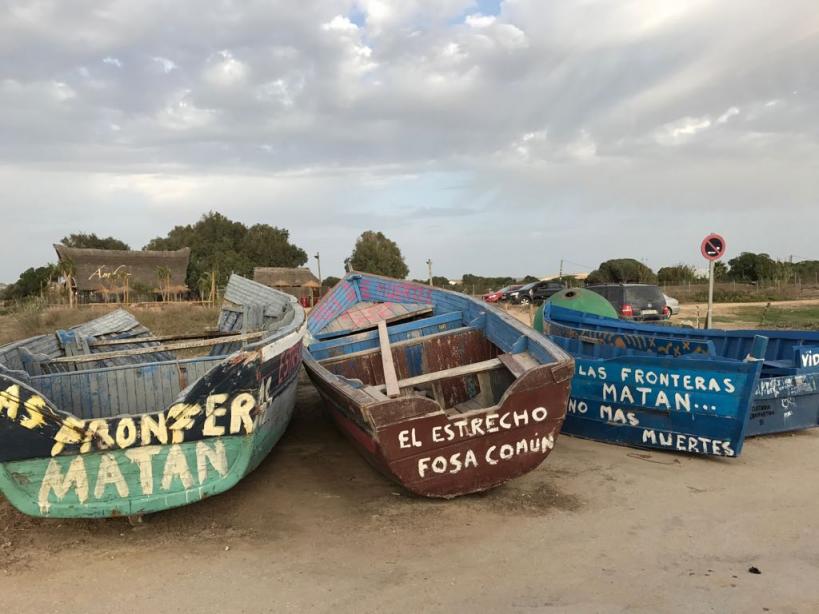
point(104, 420)
point(442, 393)
point(655, 392)
point(786, 397)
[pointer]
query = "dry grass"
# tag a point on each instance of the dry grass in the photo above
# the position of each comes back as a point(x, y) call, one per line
point(171, 318)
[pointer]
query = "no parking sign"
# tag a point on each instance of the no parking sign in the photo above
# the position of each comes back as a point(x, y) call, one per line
point(712, 247)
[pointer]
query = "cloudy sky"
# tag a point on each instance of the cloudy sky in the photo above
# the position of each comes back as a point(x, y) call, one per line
point(492, 137)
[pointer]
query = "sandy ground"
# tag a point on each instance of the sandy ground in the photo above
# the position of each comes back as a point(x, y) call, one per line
point(597, 528)
point(691, 311)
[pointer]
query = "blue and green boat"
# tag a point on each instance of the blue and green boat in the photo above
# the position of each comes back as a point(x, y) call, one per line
point(105, 420)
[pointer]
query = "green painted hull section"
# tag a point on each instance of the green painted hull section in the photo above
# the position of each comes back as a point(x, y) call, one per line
point(578, 299)
point(145, 479)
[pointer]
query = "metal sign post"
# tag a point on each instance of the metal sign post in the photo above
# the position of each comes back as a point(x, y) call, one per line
point(712, 249)
point(710, 293)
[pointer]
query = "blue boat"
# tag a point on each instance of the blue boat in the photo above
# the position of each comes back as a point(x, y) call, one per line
point(657, 393)
point(786, 397)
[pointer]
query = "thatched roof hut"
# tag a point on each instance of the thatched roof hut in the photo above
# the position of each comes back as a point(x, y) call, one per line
point(282, 277)
point(107, 271)
point(299, 282)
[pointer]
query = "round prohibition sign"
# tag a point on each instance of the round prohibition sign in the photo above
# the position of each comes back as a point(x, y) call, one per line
point(713, 247)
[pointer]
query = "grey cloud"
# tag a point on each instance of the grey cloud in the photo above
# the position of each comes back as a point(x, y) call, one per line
point(608, 108)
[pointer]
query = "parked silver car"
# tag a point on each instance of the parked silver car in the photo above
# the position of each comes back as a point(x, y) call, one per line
point(673, 305)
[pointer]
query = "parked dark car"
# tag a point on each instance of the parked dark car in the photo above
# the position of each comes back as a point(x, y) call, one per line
point(535, 292)
point(634, 301)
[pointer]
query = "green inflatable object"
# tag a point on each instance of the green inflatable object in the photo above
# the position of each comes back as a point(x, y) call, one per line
point(578, 299)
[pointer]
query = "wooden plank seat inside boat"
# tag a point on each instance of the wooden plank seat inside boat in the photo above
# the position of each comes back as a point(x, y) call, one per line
point(35, 355)
point(365, 316)
point(114, 365)
point(459, 368)
point(356, 342)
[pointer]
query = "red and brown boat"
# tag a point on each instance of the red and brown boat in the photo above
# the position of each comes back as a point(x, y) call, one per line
point(441, 392)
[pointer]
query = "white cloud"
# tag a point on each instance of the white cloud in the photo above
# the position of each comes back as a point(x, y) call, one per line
point(339, 24)
point(165, 64)
point(479, 21)
point(182, 114)
point(224, 70)
point(582, 148)
point(62, 91)
point(112, 61)
point(682, 130)
point(727, 115)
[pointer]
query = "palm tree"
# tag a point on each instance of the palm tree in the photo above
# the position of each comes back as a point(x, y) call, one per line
point(163, 274)
point(67, 270)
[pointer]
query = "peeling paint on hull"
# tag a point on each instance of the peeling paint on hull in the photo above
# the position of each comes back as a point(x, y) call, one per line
point(469, 436)
point(144, 479)
point(94, 458)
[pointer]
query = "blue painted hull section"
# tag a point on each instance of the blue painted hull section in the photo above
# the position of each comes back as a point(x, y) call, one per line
point(786, 397)
point(697, 406)
point(782, 404)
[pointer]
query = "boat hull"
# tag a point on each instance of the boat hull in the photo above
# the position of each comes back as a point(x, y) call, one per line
point(54, 464)
point(431, 454)
point(461, 436)
point(692, 406)
point(781, 403)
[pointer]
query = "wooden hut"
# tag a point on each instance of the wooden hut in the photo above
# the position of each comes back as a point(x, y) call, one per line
point(299, 282)
point(97, 275)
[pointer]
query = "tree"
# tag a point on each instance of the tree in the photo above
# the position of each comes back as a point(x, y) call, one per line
point(530, 279)
point(677, 274)
point(622, 271)
point(32, 282)
point(720, 271)
point(753, 267)
point(270, 246)
point(66, 269)
point(439, 281)
point(92, 241)
point(375, 253)
point(329, 282)
point(221, 245)
point(479, 284)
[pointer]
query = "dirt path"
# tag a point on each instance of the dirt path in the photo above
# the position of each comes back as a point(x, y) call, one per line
point(597, 528)
point(732, 319)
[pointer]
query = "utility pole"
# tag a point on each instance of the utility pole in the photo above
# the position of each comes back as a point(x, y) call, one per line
point(561, 270)
point(318, 264)
point(429, 266)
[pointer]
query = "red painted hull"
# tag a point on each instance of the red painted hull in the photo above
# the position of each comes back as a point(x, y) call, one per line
point(435, 454)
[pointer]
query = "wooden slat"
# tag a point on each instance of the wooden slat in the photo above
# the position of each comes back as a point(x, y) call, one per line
point(485, 397)
point(375, 393)
point(390, 378)
point(475, 367)
point(518, 364)
point(333, 331)
point(178, 337)
point(396, 331)
point(397, 344)
point(160, 348)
